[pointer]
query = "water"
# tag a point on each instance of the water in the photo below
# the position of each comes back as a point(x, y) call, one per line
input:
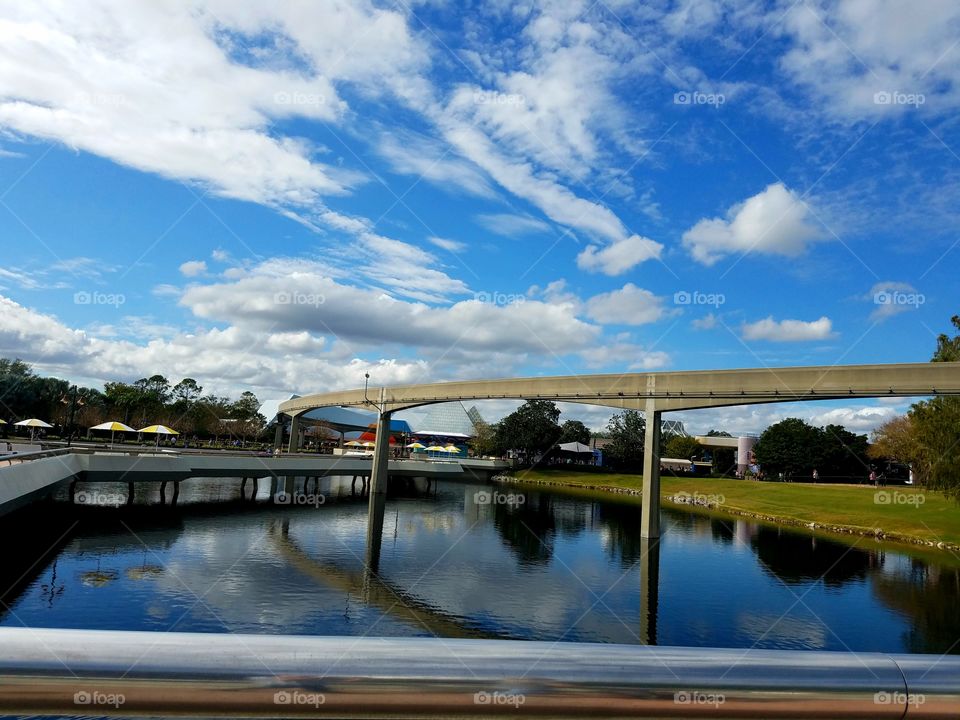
point(552, 568)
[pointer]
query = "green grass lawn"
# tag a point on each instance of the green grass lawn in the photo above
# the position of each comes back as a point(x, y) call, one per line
point(910, 512)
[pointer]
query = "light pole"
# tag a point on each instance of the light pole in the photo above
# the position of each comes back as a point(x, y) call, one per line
point(73, 408)
point(366, 380)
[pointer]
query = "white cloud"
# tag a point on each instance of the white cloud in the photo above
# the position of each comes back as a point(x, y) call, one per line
point(620, 256)
point(846, 51)
point(707, 322)
point(629, 305)
point(454, 246)
point(511, 225)
point(161, 92)
point(413, 154)
point(291, 296)
point(773, 222)
point(754, 419)
point(193, 268)
point(624, 356)
point(788, 330)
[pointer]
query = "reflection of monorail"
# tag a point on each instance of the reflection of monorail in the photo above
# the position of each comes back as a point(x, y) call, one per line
point(689, 467)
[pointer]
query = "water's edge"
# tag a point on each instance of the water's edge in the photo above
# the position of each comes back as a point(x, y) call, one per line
point(841, 530)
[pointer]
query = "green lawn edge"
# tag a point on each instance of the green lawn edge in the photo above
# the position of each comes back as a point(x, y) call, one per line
point(909, 515)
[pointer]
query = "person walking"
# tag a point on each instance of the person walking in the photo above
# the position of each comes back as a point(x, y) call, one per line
point(816, 475)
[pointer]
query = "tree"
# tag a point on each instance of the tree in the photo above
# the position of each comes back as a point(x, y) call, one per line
point(574, 431)
point(937, 425)
point(122, 398)
point(532, 427)
point(790, 446)
point(681, 446)
point(485, 441)
point(948, 348)
point(627, 431)
point(842, 453)
point(186, 391)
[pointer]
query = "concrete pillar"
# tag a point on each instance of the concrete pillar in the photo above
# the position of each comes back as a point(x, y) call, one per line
point(378, 490)
point(650, 511)
point(744, 453)
point(278, 433)
point(649, 589)
point(294, 444)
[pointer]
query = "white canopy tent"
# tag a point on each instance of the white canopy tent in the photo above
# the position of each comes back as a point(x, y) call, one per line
point(575, 447)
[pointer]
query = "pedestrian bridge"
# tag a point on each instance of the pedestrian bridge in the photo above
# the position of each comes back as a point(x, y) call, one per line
point(653, 393)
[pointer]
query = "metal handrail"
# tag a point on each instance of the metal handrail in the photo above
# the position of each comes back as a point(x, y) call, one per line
point(89, 672)
point(19, 457)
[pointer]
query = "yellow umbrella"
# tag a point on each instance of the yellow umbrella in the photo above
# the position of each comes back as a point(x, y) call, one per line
point(416, 446)
point(369, 443)
point(435, 448)
point(113, 426)
point(353, 443)
point(452, 449)
point(158, 430)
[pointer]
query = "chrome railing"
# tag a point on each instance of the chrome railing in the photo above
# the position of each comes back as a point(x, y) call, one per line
point(84, 672)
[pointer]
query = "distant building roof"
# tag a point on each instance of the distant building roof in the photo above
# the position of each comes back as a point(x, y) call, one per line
point(450, 419)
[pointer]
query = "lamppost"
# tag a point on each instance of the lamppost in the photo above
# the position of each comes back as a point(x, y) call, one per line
point(366, 380)
point(74, 401)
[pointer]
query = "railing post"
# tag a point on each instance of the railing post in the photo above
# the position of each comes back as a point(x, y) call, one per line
point(650, 510)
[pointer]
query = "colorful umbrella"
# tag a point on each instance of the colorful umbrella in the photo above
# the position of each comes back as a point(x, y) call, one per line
point(158, 430)
point(33, 424)
point(113, 426)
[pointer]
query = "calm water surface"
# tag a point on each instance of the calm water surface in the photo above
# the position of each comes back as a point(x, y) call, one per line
point(552, 568)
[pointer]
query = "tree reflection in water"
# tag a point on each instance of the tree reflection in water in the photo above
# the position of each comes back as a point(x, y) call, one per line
point(929, 596)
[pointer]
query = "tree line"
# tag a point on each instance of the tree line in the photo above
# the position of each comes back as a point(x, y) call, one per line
point(72, 409)
point(927, 437)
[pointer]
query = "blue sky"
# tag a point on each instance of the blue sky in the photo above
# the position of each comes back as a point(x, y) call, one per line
point(282, 197)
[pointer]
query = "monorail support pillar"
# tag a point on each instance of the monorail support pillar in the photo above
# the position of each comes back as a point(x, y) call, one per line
point(650, 510)
point(378, 491)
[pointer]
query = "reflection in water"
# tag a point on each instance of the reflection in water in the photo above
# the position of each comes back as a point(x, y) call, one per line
point(930, 597)
point(527, 528)
point(441, 562)
point(796, 558)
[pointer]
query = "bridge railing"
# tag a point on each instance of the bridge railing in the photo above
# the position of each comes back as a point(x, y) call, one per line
point(73, 672)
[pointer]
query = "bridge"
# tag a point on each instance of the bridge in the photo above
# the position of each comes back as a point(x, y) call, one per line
point(652, 393)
